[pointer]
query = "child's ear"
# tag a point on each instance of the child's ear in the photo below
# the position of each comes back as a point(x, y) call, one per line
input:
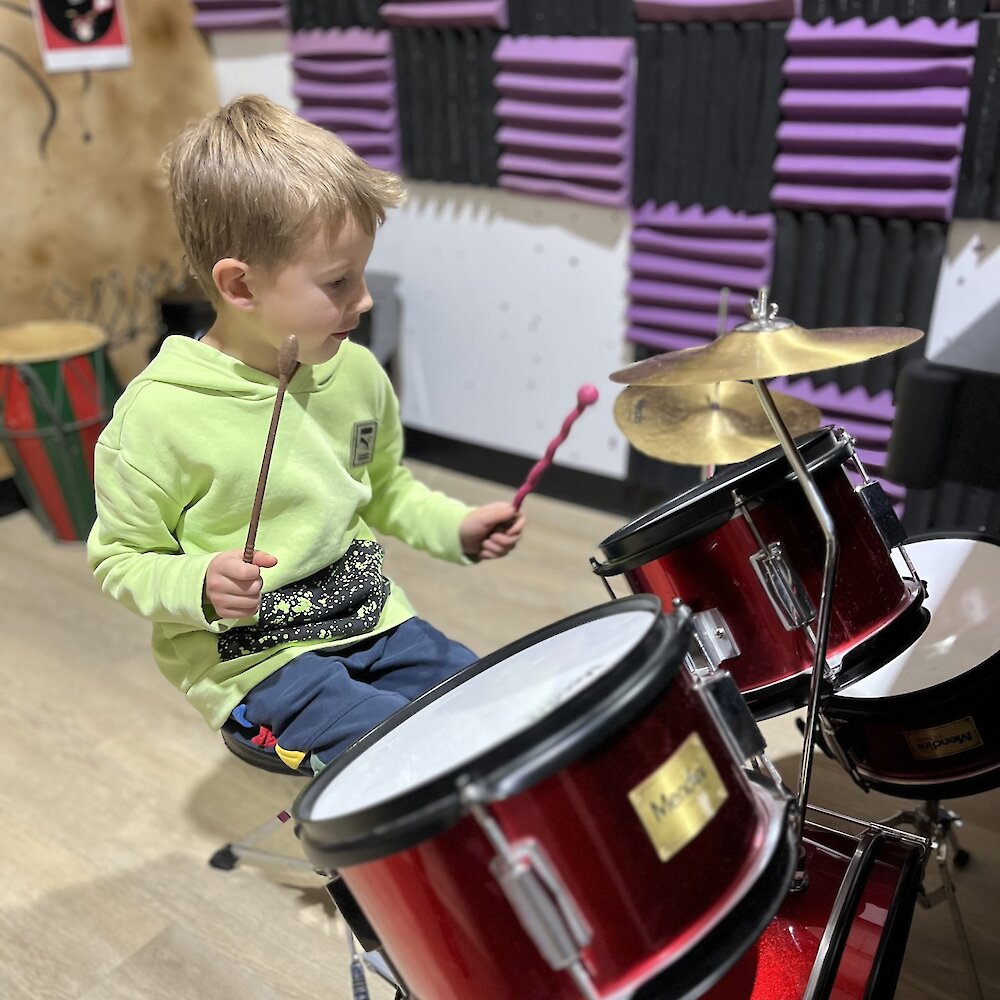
point(230, 277)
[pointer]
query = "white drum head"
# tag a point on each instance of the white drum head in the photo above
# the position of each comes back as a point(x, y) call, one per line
point(963, 583)
point(483, 712)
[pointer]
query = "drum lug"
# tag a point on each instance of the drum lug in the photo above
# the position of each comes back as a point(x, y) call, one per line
point(783, 586)
point(544, 905)
point(882, 513)
point(712, 643)
point(725, 703)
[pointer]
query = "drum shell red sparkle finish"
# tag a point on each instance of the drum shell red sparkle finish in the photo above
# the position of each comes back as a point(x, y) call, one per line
point(715, 571)
point(780, 964)
point(451, 932)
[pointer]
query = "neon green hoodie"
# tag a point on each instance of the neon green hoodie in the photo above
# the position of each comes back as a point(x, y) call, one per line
point(176, 471)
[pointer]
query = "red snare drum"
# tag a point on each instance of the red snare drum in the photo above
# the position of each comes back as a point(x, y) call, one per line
point(744, 550)
point(568, 816)
point(843, 936)
point(926, 726)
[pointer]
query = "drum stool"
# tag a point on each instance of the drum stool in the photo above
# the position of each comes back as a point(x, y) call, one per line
point(227, 857)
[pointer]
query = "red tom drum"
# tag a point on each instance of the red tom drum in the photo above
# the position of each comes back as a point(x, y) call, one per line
point(744, 550)
point(569, 816)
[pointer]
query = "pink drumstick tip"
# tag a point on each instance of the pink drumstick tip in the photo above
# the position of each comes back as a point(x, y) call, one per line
point(586, 396)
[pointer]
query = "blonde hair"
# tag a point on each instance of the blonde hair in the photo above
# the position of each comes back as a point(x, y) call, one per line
point(255, 182)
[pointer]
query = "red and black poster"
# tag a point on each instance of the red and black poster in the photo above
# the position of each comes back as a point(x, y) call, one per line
point(81, 34)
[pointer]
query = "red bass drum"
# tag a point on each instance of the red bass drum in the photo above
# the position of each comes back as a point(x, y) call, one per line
point(842, 937)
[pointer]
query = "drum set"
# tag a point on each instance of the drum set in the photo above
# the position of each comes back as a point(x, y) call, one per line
point(590, 812)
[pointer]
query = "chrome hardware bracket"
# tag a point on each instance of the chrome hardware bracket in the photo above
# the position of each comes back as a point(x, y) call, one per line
point(712, 643)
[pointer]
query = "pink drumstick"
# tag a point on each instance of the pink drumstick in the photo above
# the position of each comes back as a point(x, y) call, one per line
point(586, 396)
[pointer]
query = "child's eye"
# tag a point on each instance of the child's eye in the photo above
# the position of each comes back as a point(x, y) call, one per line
point(339, 283)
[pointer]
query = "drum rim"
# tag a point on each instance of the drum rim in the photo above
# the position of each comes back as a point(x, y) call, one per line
point(89, 338)
point(515, 763)
point(877, 709)
point(688, 516)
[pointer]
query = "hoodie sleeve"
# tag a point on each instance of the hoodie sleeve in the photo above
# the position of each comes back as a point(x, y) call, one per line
point(132, 549)
point(401, 505)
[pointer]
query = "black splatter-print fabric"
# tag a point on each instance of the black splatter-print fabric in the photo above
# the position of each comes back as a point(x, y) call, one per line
point(343, 600)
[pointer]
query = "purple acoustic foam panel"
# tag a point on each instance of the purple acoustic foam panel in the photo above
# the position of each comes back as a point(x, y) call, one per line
point(879, 171)
point(682, 259)
point(344, 119)
point(520, 85)
point(607, 173)
point(670, 293)
point(377, 94)
point(662, 340)
point(919, 106)
point(721, 251)
point(698, 272)
point(855, 138)
point(717, 10)
point(844, 71)
point(923, 36)
point(341, 43)
point(446, 13)
point(511, 137)
point(360, 70)
point(694, 221)
point(868, 419)
point(587, 56)
point(240, 15)
point(345, 81)
point(906, 203)
point(591, 193)
point(566, 117)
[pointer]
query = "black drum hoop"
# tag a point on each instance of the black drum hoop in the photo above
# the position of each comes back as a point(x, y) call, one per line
point(708, 506)
point(583, 722)
point(886, 708)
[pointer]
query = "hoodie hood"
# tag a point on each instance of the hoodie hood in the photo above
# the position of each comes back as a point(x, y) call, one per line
point(189, 363)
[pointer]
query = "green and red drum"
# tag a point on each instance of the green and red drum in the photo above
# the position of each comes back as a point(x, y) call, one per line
point(56, 394)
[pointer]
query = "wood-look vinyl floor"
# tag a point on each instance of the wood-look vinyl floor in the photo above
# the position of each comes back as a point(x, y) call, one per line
point(113, 793)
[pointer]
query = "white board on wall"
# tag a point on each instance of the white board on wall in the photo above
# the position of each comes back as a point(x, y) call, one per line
point(253, 62)
point(509, 304)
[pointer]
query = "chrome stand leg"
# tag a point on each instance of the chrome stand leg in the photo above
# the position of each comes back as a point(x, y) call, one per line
point(930, 820)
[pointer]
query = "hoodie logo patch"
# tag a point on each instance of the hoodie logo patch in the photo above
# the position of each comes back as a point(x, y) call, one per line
point(363, 442)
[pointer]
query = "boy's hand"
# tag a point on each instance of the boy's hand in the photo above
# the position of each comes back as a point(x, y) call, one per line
point(232, 586)
point(492, 531)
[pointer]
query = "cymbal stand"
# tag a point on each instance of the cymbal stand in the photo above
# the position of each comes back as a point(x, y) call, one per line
point(938, 824)
point(823, 614)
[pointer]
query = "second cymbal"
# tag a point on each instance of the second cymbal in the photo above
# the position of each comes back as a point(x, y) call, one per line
point(706, 424)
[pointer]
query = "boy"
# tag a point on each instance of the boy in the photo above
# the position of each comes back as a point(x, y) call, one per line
point(277, 218)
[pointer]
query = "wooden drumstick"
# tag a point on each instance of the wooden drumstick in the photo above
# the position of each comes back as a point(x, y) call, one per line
point(288, 361)
point(586, 396)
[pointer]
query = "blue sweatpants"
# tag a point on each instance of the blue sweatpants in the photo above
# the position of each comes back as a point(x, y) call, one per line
point(324, 700)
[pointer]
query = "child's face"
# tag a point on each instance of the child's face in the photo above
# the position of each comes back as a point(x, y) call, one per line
point(320, 297)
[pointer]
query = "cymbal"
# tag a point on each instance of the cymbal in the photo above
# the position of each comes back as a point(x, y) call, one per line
point(684, 424)
point(767, 348)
